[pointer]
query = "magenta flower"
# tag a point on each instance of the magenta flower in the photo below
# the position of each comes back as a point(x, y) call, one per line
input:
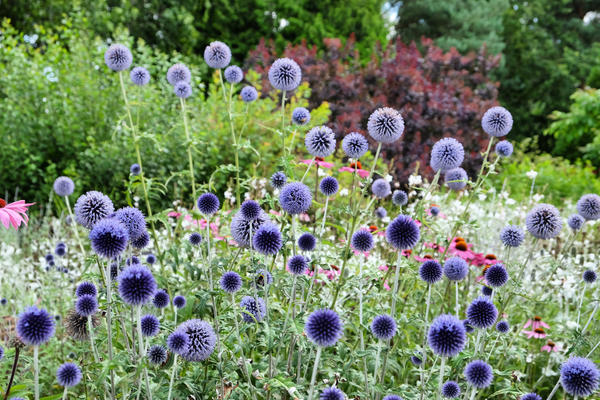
point(535, 323)
point(537, 333)
point(319, 161)
point(14, 214)
point(550, 347)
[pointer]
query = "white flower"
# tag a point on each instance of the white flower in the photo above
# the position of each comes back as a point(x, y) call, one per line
point(482, 196)
point(415, 180)
point(344, 192)
point(388, 178)
point(537, 197)
point(531, 174)
point(511, 202)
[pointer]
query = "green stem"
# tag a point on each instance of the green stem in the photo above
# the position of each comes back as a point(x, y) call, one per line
point(172, 376)
point(314, 374)
point(377, 358)
point(74, 225)
point(441, 378)
point(141, 350)
point(64, 397)
point(247, 370)
point(189, 147)
point(283, 122)
point(36, 372)
point(91, 334)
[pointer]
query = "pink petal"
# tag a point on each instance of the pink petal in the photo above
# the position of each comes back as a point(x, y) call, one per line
point(362, 173)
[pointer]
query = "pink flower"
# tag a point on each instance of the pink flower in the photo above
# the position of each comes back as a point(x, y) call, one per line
point(14, 213)
point(434, 246)
point(459, 247)
point(277, 213)
point(383, 268)
point(535, 323)
point(550, 347)
point(304, 217)
point(427, 257)
point(386, 286)
point(319, 161)
point(174, 214)
point(361, 172)
point(537, 333)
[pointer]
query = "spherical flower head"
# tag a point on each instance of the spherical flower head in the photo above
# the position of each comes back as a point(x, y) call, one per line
point(182, 89)
point(35, 326)
point(217, 55)
point(383, 327)
point(285, 74)
point(133, 219)
point(497, 121)
point(496, 275)
point(434, 211)
point(136, 285)
point(502, 326)
point(177, 342)
point(320, 141)
point(241, 227)
point(150, 259)
point(150, 325)
point(504, 148)
point(230, 282)
point(178, 73)
point(68, 375)
point(135, 169)
point(195, 238)
point(456, 269)
point(157, 355)
point(451, 390)
point(92, 207)
point(253, 310)
point(307, 242)
point(392, 397)
point(385, 125)
point(141, 241)
point(588, 206)
point(362, 240)
point(179, 301)
point(109, 238)
point(531, 396)
point(140, 76)
point(201, 339)
point(329, 186)
point(482, 312)
point(233, 74)
point(575, 222)
point(381, 188)
point(543, 221)
point(402, 233)
point(355, 145)
point(262, 277)
point(479, 374)
point(86, 288)
point(297, 264)
point(250, 209)
point(447, 336)
point(60, 250)
point(430, 271)
point(468, 327)
point(161, 299)
point(208, 203)
point(456, 178)
point(49, 257)
point(295, 198)
point(589, 276)
point(416, 360)
point(267, 240)
point(579, 376)
point(3, 301)
point(447, 153)
point(118, 57)
point(512, 236)
point(380, 212)
point(1, 353)
point(300, 116)
point(63, 186)
point(332, 393)
point(324, 327)
point(248, 94)
point(399, 197)
point(278, 179)
point(86, 305)
point(486, 291)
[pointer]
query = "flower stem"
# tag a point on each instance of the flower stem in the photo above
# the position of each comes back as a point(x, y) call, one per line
point(283, 122)
point(314, 374)
point(36, 372)
point(141, 350)
point(109, 325)
point(320, 252)
point(172, 376)
point(91, 334)
point(377, 358)
point(247, 369)
point(64, 396)
point(580, 304)
point(396, 279)
point(13, 371)
point(189, 147)
point(74, 224)
point(441, 378)
point(456, 308)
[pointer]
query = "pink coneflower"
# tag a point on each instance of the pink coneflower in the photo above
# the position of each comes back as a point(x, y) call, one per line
point(434, 246)
point(537, 333)
point(460, 248)
point(536, 322)
point(550, 347)
point(14, 214)
point(355, 166)
point(319, 161)
point(426, 257)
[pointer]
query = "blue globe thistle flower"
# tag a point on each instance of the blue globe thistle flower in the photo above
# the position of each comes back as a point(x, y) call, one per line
point(307, 242)
point(182, 89)
point(381, 188)
point(68, 375)
point(136, 285)
point(451, 390)
point(177, 342)
point(502, 326)
point(118, 57)
point(240, 228)
point(253, 310)
point(201, 339)
point(468, 327)
point(1, 353)
point(543, 221)
point(446, 336)
point(230, 282)
point(133, 219)
point(531, 396)
point(434, 211)
point(135, 169)
point(3, 301)
point(496, 275)
point(285, 74)
point(385, 125)
point(63, 186)
point(402, 233)
point(179, 301)
point(141, 241)
point(355, 145)
point(157, 355)
point(178, 73)
point(297, 264)
point(60, 250)
point(140, 76)
point(49, 257)
point(579, 376)
point(132, 260)
point(208, 203)
point(267, 239)
point(456, 269)
point(86, 305)
point(109, 238)
point(92, 207)
point(150, 259)
point(332, 393)
point(263, 277)
point(195, 238)
point(504, 148)
point(399, 197)
point(320, 141)
point(161, 299)
point(300, 116)
point(416, 360)
point(447, 153)
point(430, 271)
point(482, 312)
point(381, 212)
point(456, 178)
point(217, 55)
point(250, 209)
point(588, 206)
point(486, 291)
point(278, 179)
point(362, 240)
point(383, 327)
point(512, 236)
point(497, 121)
point(150, 325)
point(575, 222)
point(248, 94)
point(233, 74)
point(114, 270)
point(329, 186)
point(392, 397)
point(323, 327)
point(295, 198)
point(589, 276)
point(35, 326)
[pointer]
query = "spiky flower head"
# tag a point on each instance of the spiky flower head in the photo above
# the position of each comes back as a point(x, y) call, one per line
point(63, 186)
point(385, 125)
point(447, 336)
point(383, 327)
point(403, 232)
point(178, 73)
point(380, 212)
point(179, 302)
point(253, 310)
point(230, 282)
point(136, 285)
point(133, 219)
point(355, 145)
point(575, 222)
point(86, 288)
point(150, 325)
point(320, 141)
point(496, 275)
point(177, 342)
point(217, 55)
point(285, 74)
point(76, 325)
point(300, 116)
point(208, 203)
point(241, 227)
point(248, 94)
point(482, 313)
point(141, 241)
point(109, 238)
point(118, 57)
point(86, 305)
point(451, 390)
point(332, 393)
point(233, 74)
point(579, 376)
point(447, 153)
point(531, 396)
point(502, 326)
point(329, 186)
point(543, 221)
point(182, 89)
point(504, 148)
point(307, 242)
point(430, 271)
point(399, 197)
point(588, 206)
point(479, 374)
point(323, 327)
point(512, 236)
point(201, 339)
point(362, 240)
point(250, 209)
point(497, 121)
point(150, 259)
point(195, 238)
point(589, 276)
point(295, 198)
point(456, 178)
point(157, 354)
point(486, 291)
point(392, 397)
point(381, 188)
point(161, 299)
point(297, 264)
point(35, 326)
point(140, 76)
point(267, 240)
point(135, 169)
point(92, 207)
point(278, 179)
point(68, 375)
